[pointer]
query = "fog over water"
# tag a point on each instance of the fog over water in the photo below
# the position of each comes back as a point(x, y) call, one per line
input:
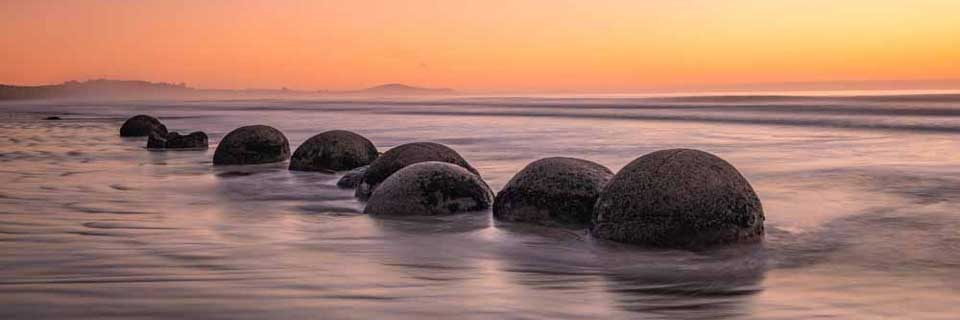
point(860, 195)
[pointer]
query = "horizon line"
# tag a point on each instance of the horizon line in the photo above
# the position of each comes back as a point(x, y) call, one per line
point(837, 85)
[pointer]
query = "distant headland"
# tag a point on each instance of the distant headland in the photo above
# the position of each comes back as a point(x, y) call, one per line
point(398, 88)
point(138, 89)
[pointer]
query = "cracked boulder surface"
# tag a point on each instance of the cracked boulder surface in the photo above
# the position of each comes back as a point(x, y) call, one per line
point(679, 198)
point(430, 188)
point(255, 144)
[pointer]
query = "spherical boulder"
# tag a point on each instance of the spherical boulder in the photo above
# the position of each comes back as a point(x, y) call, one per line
point(142, 126)
point(332, 151)
point(552, 191)
point(430, 188)
point(252, 145)
point(678, 198)
point(352, 178)
point(404, 155)
point(173, 140)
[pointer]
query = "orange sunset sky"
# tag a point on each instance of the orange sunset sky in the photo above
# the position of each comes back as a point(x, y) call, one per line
point(598, 45)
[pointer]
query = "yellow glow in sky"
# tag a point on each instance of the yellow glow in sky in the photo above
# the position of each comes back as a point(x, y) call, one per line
point(612, 45)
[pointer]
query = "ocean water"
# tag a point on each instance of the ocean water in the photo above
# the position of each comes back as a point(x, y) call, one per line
point(861, 196)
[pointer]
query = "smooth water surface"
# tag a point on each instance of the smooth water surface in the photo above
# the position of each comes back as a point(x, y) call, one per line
point(861, 199)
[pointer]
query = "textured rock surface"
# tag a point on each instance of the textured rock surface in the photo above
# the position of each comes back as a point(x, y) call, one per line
point(252, 145)
point(142, 126)
point(173, 140)
point(405, 155)
point(352, 178)
point(332, 151)
point(679, 198)
point(552, 191)
point(430, 188)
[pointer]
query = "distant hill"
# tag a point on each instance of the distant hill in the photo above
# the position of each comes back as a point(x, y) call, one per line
point(135, 89)
point(100, 88)
point(402, 89)
point(103, 89)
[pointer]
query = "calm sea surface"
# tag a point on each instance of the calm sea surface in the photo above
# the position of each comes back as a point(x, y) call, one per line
point(861, 197)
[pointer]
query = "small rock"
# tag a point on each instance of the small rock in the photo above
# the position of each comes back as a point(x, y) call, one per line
point(431, 189)
point(157, 140)
point(194, 140)
point(352, 178)
point(332, 151)
point(52, 118)
point(252, 145)
point(173, 140)
point(552, 191)
point(404, 155)
point(142, 126)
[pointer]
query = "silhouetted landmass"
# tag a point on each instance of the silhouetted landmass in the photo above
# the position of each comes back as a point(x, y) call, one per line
point(393, 89)
point(135, 89)
point(402, 89)
point(103, 89)
point(97, 89)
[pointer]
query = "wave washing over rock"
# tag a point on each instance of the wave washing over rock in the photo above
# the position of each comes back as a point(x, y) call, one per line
point(859, 196)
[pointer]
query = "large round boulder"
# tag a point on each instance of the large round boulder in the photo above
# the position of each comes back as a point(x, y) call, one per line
point(142, 126)
point(252, 145)
point(552, 191)
point(430, 188)
point(404, 155)
point(332, 151)
point(679, 198)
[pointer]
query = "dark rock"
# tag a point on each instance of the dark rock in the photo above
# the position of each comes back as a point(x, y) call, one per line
point(173, 140)
point(142, 126)
point(679, 198)
point(405, 155)
point(194, 140)
point(157, 140)
point(252, 145)
point(52, 118)
point(431, 189)
point(332, 151)
point(352, 178)
point(552, 191)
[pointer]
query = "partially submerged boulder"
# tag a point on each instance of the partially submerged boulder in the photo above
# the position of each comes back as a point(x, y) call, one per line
point(173, 140)
point(157, 140)
point(404, 155)
point(252, 145)
point(142, 126)
point(552, 191)
point(430, 188)
point(332, 151)
point(352, 178)
point(679, 198)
